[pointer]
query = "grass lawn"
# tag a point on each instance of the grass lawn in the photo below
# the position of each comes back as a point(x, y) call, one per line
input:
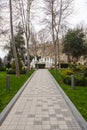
point(15, 85)
point(77, 96)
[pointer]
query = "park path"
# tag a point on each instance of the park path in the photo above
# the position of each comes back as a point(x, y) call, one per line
point(41, 106)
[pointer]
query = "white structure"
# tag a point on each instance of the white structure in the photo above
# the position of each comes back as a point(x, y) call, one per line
point(47, 61)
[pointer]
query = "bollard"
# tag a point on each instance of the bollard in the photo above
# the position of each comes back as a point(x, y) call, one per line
point(72, 82)
point(8, 83)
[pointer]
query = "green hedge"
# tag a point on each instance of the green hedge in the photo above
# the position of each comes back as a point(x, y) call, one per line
point(40, 66)
point(23, 71)
point(64, 65)
point(12, 71)
point(3, 69)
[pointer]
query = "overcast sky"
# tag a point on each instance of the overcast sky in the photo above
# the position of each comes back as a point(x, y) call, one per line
point(80, 13)
point(79, 16)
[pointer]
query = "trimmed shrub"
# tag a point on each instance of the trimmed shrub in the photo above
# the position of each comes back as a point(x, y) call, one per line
point(64, 65)
point(3, 69)
point(10, 71)
point(40, 65)
point(23, 71)
point(2, 66)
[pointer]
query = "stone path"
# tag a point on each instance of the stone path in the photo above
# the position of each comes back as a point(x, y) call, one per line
point(40, 107)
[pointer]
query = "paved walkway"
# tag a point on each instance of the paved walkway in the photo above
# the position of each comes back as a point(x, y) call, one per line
point(40, 107)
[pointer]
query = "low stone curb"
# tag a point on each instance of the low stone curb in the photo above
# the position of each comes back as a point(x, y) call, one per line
point(81, 121)
point(7, 109)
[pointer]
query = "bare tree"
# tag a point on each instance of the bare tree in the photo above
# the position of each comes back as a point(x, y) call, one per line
point(34, 41)
point(2, 8)
point(56, 13)
point(43, 39)
point(12, 38)
point(65, 9)
point(50, 12)
point(0, 20)
point(26, 19)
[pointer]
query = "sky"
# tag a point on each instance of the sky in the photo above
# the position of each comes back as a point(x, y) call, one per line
point(79, 16)
point(80, 13)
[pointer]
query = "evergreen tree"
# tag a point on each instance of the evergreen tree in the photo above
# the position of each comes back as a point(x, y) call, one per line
point(20, 47)
point(73, 44)
point(20, 43)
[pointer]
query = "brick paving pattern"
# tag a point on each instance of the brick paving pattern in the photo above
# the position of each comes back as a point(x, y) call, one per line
point(40, 107)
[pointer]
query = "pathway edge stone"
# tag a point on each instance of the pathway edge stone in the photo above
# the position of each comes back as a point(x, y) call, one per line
point(7, 109)
point(75, 112)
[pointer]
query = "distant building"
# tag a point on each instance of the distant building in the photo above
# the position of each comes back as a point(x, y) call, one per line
point(46, 50)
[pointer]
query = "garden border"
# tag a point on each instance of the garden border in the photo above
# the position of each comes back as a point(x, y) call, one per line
point(7, 109)
point(81, 121)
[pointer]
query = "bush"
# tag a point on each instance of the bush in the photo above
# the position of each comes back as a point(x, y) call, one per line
point(76, 68)
point(79, 68)
point(85, 74)
point(52, 68)
point(10, 71)
point(13, 65)
point(72, 66)
point(85, 63)
point(3, 69)
point(67, 72)
point(23, 71)
point(8, 65)
point(64, 65)
point(84, 68)
point(67, 79)
point(80, 81)
point(40, 66)
point(20, 65)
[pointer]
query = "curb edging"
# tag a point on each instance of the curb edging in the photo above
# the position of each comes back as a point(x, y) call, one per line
point(81, 121)
point(7, 109)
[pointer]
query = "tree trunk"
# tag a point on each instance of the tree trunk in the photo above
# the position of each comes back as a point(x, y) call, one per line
point(55, 54)
point(58, 54)
point(59, 22)
point(28, 33)
point(13, 42)
point(28, 56)
point(53, 38)
point(68, 58)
